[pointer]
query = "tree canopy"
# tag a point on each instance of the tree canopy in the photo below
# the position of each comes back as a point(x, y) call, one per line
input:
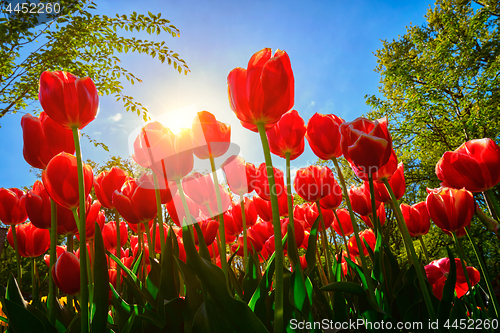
point(77, 41)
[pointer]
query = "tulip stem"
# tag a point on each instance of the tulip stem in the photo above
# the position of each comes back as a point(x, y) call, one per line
point(290, 204)
point(84, 295)
point(355, 228)
point(18, 258)
point(424, 248)
point(486, 276)
point(222, 234)
point(492, 200)
point(244, 222)
point(278, 246)
point(343, 234)
point(53, 258)
point(409, 246)
point(462, 261)
point(34, 294)
point(118, 250)
point(150, 242)
point(375, 221)
point(159, 215)
point(324, 240)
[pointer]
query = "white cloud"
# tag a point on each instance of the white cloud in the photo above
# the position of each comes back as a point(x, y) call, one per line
point(313, 103)
point(116, 117)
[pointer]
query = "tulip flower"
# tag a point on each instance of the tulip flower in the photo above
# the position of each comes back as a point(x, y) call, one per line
point(139, 227)
point(385, 171)
point(209, 230)
point(94, 214)
point(361, 200)
point(136, 202)
point(38, 206)
point(169, 155)
point(200, 188)
point(308, 213)
point(176, 209)
point(323, 135)
point(262, 183)
point(366, 235)
point(32, 242)
point(240, 176)
point(303, 262)
point(343, 262)
point(450, 209)
point(214, 208)
point(265, 210)
point(287, 136)
point(66, 273)
point(60, 249)
point(344, 221)
point(12, 206)
point(299, 231)
point(264, 91)
point(210, 136)
point(60, 179)
point(333, 199)
point(366, 144)
point(109, 234)
point(380, 214)
point(70, 101)
point(231, 228)
point(473, 166)
point(167, 188)
point(43, 139)
point(250, 213)
point(157, 235)
point(437, 273)
point(416, 218)
point(314, 183)
point(107, 183)
point(66, 224)
point(397, 183)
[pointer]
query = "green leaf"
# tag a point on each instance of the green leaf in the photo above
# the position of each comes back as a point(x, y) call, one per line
point(201, 243)
point(311, 247)
point(99, 308)
point(20, 319)
point(346, 287)
point(446, 303)
point(12, 292)
point(251, 279)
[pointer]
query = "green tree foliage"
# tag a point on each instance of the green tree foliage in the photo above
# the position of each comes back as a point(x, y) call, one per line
point(79, 42)
point(440, 84)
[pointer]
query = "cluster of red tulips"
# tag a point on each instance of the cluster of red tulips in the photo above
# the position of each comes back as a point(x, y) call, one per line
point(256, 218)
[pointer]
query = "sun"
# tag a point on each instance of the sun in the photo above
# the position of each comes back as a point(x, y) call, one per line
point(178, 119)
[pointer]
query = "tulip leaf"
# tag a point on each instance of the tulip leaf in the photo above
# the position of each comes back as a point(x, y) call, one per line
point(201, 243)
point(22, 320)
point(251, 279)
point(194, 295)
point(99, 310)
point(137, 263)
point(300, 294)
point(358, 270)
point(153, 282)
point(168, 270)
point(174, 318)
point(12, 292)
point(293, 254)
point(446, 302)
point(235, 284)
point(127, 271)
point(258, 301)
point(345, 287)
point(311, 247)
point(213, 280)
point(409, 293)
point(337, 267)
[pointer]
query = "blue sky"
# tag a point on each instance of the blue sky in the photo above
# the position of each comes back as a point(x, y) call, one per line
point(330, 44)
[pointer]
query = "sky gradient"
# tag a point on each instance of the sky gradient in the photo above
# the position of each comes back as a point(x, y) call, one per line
point(330, 45)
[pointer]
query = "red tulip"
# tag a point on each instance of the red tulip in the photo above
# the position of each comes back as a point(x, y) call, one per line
point(473, 166)
point(200, 188)
point(450, 209)
point(333, 199)
point(264, 91)
point(240, 176)
point(416, 218)
point(66, 273)
point(109, 234)
point(287, 136)
point(211, 137)
point(268, 248)
point(38, 206)
point(303, 262)
point(305, 242)
point(43, 139)
point(298, 229)
point(60, 249)
point(344, 262)
point(94, 214)
point(157, 236)
point(323, 135)
point(250, 213)
point(397, 183)
point(314, 183)
point(385, 171)
point(169, 155)
point(134, 245)
point(107, 183)
point(214, 207)
point(167, 188)
point(308, 213)
point(366, 144)
point(368, 236)
point(66, 224)
point(32, 242)
point(136, 202)
point(361, 200)
point(231, 228)
point(437, 273)
point(262, 182)
point(68, 100)
point(209, 230)
point(176, 209)
point(380, 214)
point(345, 222)
point(60, 179)
point(12, 206)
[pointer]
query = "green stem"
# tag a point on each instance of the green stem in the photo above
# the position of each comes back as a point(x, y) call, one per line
point(492, 200)
point(409, 245)
point(244, 222)
point(53, 255)
point(118, 250)
point(375, 220)
point(278, 295)
point(84, 295)
point(159, 214)
point(424, 248)
point(151, 245)
point(343, 234)
point(18, 258)
point(69, 243)
point(355, 228)
point(462, 261)
point(324, 240)
point(290, 202)
point(486, 276)
point(34, 295)
point(222, 234)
